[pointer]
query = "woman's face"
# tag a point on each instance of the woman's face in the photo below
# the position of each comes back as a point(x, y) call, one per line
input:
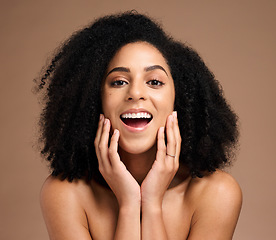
point(138, 95)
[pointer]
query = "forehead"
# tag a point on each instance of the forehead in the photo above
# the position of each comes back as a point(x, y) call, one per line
point(138, 54)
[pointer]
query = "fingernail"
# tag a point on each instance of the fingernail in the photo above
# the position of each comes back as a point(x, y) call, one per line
point(161, 129)
point(106, 121)
point(174, 113)
point(116, 131)
point(101, 116)
point(171, 118)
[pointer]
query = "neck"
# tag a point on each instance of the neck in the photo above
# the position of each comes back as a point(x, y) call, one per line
point(138, 164)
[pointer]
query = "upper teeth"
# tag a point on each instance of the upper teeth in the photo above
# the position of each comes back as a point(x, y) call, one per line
point(136, 115)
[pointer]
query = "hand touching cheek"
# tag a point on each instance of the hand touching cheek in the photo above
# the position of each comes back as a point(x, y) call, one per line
point(165, 166)
point(123, 185)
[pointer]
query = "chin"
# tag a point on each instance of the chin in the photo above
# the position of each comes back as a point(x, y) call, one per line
point(136, 147)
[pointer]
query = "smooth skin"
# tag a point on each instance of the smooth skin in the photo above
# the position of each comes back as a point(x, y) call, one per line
point(131, 197)
point(150, 195)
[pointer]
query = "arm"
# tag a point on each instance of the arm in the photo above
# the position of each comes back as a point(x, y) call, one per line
point(158, 180)
point(218, 209)
point(121, 182)
point(63, 215)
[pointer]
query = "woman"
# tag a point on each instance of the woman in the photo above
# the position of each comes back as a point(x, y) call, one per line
point(136, 128)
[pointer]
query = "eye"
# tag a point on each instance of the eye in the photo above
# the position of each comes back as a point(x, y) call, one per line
point(118, 83)
point(155, 83)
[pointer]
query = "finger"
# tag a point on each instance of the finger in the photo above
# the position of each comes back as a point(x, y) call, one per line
point(98, 137)
point(171, 143)
point(113, 148)
point(161, 146)
point(177, 135)
point(103, 144)
point(99, 130)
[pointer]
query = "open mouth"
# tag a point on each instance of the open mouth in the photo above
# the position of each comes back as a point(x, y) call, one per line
point(136, 120)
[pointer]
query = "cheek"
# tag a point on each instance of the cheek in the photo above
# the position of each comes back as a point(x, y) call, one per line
point(107, 103)
point(107, 97)
point(166, 101)
point(110, 105)
point(166, 106)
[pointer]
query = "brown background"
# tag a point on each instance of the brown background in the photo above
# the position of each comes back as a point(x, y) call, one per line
point(236, 39)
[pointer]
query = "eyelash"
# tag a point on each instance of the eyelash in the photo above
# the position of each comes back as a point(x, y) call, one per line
point(153, 82)
point(157, 82)
point(118, 83)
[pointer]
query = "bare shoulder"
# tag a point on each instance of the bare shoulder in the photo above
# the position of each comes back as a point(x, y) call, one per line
point(56, 191)
point(222, 183)
point(218, 200)
point(62, 188)
point(62, 207)
point(217, 185)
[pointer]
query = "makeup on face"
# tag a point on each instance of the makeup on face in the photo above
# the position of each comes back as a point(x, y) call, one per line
point(138, 95)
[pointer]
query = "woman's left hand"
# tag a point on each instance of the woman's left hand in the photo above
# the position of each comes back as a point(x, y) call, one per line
point(165, 166)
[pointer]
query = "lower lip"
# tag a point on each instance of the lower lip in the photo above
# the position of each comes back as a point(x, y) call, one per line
point(134, 129)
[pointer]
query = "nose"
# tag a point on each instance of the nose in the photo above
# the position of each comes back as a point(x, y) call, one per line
point(136, 92)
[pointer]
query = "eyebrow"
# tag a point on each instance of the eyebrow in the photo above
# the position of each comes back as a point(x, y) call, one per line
point(151, 68)
point(147, 69)
point(118, 69)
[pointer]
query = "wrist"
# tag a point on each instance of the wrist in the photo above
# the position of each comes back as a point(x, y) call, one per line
point(130, 206)
point(151, 202)
point(152, 207)
point(129, 201)
point(130, 211)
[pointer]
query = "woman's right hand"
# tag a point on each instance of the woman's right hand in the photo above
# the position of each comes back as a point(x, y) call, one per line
point(115, 173)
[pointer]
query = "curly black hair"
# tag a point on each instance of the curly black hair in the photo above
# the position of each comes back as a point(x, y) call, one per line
point(72, 88)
